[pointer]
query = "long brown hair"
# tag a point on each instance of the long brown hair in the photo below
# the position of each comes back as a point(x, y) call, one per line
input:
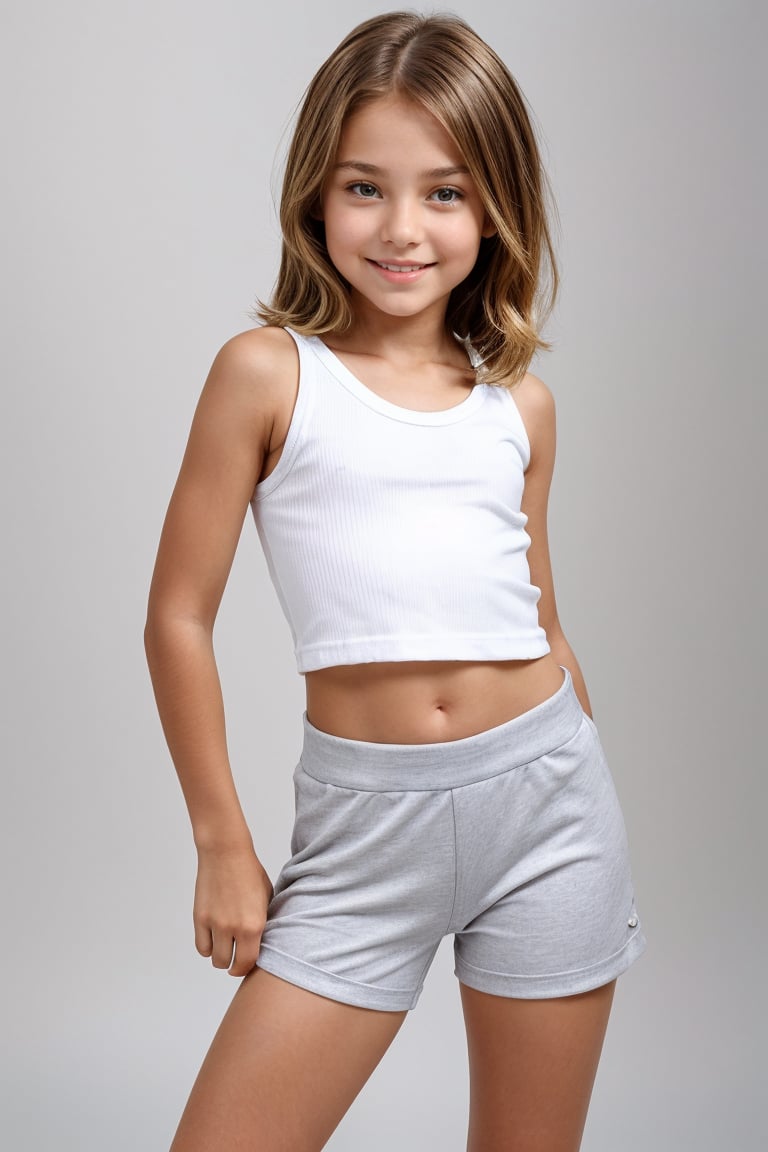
point(439, 62)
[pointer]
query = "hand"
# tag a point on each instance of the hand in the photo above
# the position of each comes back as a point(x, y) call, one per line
point(232, 894)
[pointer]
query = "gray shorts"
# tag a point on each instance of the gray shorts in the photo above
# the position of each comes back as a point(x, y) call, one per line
point(511, 839)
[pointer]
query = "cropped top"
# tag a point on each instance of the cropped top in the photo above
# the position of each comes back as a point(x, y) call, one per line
point(392, 534)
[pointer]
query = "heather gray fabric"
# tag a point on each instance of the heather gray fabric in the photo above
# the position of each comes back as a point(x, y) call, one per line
point(512, 839)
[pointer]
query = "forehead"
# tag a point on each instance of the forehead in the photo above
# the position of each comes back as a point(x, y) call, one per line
point(392, 131)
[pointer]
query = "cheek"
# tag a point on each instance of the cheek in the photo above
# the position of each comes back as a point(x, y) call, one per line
point(463, 241)
point(344, 228)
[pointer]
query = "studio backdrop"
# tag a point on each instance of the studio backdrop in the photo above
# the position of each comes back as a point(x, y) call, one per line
point(141, 146)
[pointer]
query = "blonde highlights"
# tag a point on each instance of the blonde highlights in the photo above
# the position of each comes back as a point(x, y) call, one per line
point(439, 63)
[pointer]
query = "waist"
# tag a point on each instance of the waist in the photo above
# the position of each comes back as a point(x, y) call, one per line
point(421, 702)
point(380, 766)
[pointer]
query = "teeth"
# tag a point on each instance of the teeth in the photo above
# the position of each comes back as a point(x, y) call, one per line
point(401, 267)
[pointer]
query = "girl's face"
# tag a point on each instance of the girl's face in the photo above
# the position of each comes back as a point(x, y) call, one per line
point(403, 218)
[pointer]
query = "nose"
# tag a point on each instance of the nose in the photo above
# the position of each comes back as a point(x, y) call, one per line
point(401, 225)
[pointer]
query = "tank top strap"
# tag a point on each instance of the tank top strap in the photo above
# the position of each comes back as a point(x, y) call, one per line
point(303, 406)
point(303, 344)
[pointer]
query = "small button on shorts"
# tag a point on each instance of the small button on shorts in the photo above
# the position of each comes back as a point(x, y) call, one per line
point(511, 839)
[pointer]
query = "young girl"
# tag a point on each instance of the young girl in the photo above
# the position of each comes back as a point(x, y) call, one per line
point(397, 457)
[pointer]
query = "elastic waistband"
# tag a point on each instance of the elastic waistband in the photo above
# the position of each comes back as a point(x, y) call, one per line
point(376, 767)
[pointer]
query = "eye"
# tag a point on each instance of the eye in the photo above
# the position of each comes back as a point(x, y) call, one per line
point(363, 189)
point(447, 195)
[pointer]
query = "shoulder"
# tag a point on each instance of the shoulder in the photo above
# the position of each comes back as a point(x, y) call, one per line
point(534, 399)
point(253, 372)
point(259, 356)
point(536, 405)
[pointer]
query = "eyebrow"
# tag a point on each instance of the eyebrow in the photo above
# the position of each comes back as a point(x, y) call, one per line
point(432, 173)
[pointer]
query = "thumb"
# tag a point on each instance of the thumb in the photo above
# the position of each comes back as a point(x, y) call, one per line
point(203, 939)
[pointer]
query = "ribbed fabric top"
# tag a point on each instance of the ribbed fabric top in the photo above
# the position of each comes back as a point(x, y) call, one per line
point(392, 534)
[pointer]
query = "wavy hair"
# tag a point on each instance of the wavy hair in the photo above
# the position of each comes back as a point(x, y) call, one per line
point(439, 62)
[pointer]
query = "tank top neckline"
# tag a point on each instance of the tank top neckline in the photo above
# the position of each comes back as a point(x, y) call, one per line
point(345, 376)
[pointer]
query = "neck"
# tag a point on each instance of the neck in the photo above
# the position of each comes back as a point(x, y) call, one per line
point(422, 337)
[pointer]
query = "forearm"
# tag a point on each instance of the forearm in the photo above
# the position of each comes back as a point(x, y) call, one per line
point(566, 658)
point(187, 690)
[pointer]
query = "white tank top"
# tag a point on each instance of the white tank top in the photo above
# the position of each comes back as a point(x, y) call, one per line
point(391, 534)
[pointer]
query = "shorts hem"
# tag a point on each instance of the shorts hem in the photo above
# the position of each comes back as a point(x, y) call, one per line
point(555, 984)
point(334, 987)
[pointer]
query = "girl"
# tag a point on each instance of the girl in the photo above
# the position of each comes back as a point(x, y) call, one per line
point(397, 457)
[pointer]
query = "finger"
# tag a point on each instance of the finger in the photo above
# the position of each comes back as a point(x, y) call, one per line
point(223, 947)
point(203, 940)
point(246, 953)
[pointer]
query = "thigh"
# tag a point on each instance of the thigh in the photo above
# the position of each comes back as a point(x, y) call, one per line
point(282, 1070)
point(359, 908)
point(532, 1065)
point(546, 908)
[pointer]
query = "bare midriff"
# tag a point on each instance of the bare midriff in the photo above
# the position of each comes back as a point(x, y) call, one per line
point(426, 701)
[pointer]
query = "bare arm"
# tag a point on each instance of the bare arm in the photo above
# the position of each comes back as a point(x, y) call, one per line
point(224, 457)
point(537, 407)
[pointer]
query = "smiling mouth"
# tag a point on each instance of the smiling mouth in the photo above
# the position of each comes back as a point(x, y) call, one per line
point(400, 267)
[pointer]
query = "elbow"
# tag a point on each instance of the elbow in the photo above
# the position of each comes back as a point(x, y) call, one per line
point(152, 634)
point(149, 637)
point(167, 629)
point(155, 625)
point(164, 622)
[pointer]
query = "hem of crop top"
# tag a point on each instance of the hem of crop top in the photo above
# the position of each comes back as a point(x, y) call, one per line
point(450, 646)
